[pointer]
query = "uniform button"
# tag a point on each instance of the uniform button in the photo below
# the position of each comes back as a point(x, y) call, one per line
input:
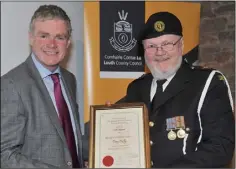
point(151, 124)
point(69, 163)
point(151, 143)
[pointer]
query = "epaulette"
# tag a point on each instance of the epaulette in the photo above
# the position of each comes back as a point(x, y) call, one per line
point(202, 68)
point(220, 77)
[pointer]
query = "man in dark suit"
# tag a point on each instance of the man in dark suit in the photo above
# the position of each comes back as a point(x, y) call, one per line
point(39, 114)
point(190, 109)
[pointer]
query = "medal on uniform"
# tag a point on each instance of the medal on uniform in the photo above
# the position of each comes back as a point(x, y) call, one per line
point(181, 133)
point(175, 123)
point(180, 124)
point(171, 135)
point(170, 125)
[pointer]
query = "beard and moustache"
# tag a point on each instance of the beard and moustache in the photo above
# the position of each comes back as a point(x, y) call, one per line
point(158, 74)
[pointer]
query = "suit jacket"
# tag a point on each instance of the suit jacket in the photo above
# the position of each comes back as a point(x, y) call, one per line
point(181, 98)
point(31, 134)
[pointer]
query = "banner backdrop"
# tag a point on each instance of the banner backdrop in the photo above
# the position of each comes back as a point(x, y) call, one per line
point(119, 27)
point(112, 53)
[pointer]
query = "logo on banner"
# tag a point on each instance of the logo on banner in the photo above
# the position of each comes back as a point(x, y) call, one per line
point(122, 39)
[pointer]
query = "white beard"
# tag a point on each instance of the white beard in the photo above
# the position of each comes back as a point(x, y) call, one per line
point(158, 74)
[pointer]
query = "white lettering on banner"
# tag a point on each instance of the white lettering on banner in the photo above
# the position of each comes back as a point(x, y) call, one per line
point(124, 57)
point(128, 60)
point(117, 57)
point(109, 62)
point(122, 63)
point(129, 57)
point(135, 63)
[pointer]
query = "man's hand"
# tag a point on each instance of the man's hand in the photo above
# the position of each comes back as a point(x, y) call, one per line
point(108, 103)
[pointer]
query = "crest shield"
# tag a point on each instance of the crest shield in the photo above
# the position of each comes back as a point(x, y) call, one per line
point(122, 39)
point(122, 33)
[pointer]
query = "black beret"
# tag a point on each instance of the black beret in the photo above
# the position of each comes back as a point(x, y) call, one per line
point(161, 23)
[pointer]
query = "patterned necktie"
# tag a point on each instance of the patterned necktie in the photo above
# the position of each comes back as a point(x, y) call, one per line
point(158, 93)
point(64, 117)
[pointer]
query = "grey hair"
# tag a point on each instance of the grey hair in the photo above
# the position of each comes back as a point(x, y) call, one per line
point(48, 12)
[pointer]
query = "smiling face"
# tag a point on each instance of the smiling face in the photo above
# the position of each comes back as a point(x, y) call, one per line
point(163, 55)
point(49, 41)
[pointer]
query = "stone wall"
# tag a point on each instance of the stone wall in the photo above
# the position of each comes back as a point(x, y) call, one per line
point(217, 40)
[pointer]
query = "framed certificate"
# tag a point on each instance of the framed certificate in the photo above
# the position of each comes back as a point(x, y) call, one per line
point(119, 136)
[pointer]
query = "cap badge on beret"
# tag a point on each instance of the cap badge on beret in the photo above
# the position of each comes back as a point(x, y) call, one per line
point(159, 26)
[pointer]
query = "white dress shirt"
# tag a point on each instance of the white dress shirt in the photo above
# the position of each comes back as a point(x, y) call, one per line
point(154, 86)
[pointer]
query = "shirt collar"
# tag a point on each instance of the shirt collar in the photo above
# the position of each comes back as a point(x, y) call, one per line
point(167, 80)
point(44, 72)
point(170, 78)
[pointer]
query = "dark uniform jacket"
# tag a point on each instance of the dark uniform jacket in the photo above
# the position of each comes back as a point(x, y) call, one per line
point(181, 98)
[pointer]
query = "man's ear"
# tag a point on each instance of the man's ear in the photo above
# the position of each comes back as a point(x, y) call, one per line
point(68, 43)
point(182, 44)
point(31, 38)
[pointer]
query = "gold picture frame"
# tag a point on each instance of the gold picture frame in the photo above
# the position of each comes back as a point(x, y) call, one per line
point(119, 136)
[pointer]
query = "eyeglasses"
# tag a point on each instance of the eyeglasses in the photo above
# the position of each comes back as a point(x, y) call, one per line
point(152, 48)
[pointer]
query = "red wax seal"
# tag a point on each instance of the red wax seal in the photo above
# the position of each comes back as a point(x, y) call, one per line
point(108, 161)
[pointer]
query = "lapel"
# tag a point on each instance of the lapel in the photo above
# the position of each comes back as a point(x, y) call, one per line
point(48, 104)
point(177, 84)
point(147, 89)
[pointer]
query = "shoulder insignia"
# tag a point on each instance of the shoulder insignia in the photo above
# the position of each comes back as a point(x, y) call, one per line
point(200, 67)
point(220, 77)
point(204, 68)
